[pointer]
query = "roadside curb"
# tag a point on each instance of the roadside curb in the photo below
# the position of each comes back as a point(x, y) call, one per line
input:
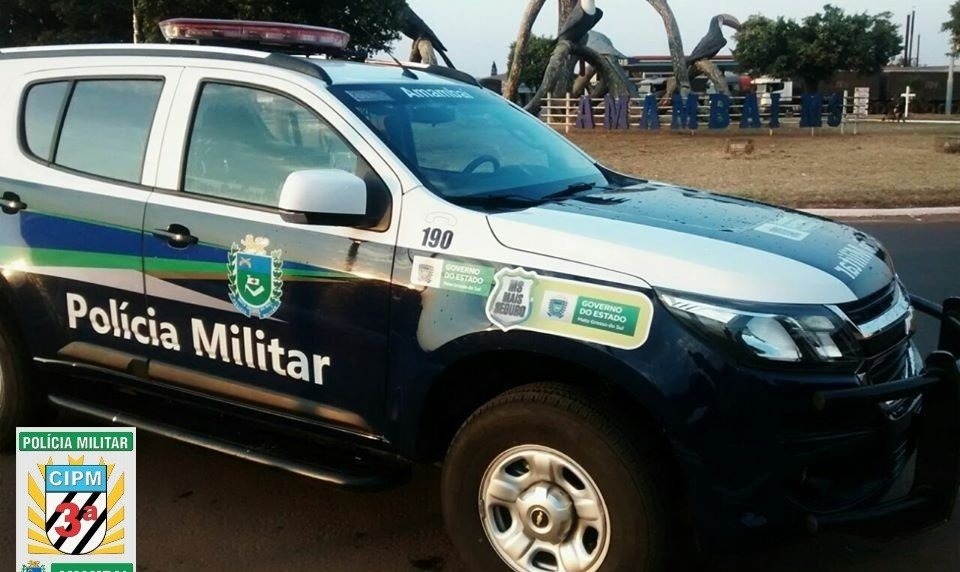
point(884, 213)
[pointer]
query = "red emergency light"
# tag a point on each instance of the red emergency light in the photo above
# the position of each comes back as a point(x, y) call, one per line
point(293, 37)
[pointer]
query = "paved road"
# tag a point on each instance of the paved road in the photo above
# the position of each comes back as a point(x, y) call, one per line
point(203, 511)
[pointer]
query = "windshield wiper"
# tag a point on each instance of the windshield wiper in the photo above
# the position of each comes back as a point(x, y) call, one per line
point(520, 201)
point(570, 191)
point(495, 201)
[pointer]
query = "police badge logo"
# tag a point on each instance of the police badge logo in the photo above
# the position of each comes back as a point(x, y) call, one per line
point(82, 509)
point(255, 277)
point(510, 303)
point(33, 566)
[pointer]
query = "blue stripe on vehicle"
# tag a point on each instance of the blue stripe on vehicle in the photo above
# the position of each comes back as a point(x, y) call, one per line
point(39, 230)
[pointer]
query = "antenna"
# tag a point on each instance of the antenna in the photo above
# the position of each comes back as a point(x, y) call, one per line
point(406, 70)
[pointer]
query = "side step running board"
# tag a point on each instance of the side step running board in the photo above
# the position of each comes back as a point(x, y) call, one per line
point(327, 475)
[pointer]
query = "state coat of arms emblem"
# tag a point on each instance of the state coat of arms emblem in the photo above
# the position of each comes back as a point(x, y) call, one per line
point(255, 277)
point(557, 308)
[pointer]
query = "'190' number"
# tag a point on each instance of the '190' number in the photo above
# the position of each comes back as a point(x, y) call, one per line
point(434, 237)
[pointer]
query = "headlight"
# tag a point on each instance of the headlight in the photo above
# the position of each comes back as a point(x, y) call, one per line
point(781, 333)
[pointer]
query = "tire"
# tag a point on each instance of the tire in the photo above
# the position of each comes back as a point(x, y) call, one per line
point(20, 401)
point(597, 456)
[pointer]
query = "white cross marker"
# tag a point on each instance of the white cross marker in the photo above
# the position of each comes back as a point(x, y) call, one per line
point(908, 96)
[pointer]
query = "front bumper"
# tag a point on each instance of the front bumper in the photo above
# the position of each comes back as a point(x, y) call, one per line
point(933, 495)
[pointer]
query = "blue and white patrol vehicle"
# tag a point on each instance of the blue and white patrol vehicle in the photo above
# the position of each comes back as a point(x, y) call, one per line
point(345, 268)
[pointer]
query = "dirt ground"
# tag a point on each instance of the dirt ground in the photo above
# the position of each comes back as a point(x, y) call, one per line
point(884, 166)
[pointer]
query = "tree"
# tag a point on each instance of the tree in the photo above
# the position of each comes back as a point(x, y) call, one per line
point(86, 22)
point(533, 62)
point(372, 24)
point(953, 26)
point(819, 46)
point(27, 22)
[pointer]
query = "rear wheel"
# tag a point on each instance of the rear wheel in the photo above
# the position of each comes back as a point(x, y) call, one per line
point(20, 401)
point(544, 479)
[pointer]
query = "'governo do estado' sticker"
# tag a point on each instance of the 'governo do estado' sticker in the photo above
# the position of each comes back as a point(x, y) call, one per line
point(609, 316)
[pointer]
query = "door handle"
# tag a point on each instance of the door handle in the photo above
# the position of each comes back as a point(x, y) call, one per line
point(176, 235)
point(10, 203)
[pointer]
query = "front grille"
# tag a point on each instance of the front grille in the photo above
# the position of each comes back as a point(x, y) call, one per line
point(882, 320)
point(890, 366)
point(874, 305)
point(882, 342)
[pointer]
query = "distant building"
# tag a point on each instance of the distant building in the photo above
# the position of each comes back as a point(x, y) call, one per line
point(651, 73)
point(495, 83)
point(641, 67)
point(928, 82)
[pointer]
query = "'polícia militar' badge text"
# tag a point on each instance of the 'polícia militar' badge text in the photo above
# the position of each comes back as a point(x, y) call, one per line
point(76, 499)
point(229, 343)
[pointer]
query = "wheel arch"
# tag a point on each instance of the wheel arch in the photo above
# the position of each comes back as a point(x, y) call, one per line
point(11, 318)
point(501, 362)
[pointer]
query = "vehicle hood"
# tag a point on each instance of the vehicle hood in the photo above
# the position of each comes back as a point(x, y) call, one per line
point(714, 245)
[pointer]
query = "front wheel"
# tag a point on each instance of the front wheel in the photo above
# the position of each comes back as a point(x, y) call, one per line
point(544, 479)
point(20, 400)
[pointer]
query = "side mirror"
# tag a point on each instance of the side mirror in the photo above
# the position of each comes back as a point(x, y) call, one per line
point(328, 197)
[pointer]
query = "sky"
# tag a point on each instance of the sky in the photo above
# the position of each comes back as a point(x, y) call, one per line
point(479, 32)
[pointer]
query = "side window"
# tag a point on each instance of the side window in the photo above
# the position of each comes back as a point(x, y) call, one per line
point(245, 142)
point(106, 127)
point(41, 113)
point(103, 124)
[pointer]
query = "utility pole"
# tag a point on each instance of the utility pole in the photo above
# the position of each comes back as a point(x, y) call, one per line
point(910, 29)
point(906, 44)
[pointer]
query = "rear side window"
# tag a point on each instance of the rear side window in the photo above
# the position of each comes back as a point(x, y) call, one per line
point(41, 114)
point(102, 129)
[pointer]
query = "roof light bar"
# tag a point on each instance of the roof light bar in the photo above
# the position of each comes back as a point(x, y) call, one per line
point(244, 32)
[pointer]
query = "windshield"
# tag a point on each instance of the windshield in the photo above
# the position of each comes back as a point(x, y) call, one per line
point(467, 143)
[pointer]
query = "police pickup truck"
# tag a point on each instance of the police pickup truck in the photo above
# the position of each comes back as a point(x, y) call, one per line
point(344, 268)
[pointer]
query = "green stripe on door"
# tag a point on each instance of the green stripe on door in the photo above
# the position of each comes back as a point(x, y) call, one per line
point(23, 258)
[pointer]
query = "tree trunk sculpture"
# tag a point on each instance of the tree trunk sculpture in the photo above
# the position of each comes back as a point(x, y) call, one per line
point(702, 67)
point(582, 83)
point(523, 36)
point(564, 83)
point(559, 62)
point(422, 52)
point(564, 7)
point(614, 79)
point(559, 79)
point(677, 57)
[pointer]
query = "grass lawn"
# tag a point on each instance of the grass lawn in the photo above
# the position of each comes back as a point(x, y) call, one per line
point(884, 166)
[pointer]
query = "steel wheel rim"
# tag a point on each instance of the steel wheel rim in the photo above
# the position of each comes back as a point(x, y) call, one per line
point(542, 512)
